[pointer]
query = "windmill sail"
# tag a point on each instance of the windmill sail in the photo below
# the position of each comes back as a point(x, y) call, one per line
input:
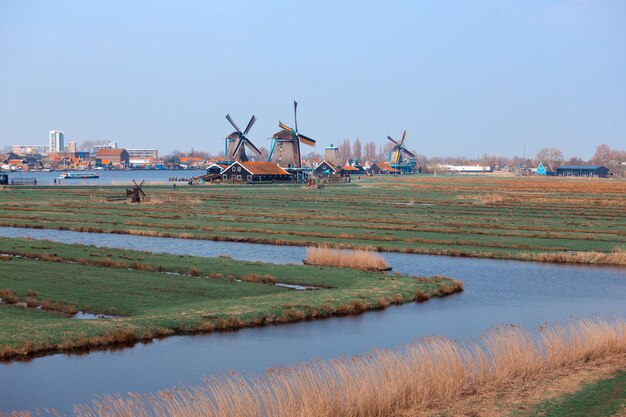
point(237, 142)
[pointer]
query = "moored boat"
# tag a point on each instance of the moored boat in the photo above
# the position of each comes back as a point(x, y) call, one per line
point(78, 175)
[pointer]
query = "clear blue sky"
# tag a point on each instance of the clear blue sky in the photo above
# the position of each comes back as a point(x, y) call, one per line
point(463, 77)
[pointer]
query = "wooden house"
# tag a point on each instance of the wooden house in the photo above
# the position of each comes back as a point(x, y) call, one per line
point(255, 171)
point(382, 168)
point(325, 169)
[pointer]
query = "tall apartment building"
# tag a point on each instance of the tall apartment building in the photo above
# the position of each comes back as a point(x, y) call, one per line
point(55, 141)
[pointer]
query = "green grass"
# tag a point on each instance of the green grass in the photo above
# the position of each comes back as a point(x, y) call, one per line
point(601, 399)
point(151, 303)
point(473, 216)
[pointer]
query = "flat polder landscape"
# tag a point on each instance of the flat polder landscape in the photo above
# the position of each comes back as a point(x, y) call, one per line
point(78, 297)
point(550, 219)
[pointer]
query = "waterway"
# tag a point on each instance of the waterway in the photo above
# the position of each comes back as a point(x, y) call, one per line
point(496, 292)
point(109, 177)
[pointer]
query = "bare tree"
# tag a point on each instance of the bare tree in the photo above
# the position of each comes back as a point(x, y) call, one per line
point(603, 155)
point(356, 148)
point(369, 151)
point(344, 151)
point(552, 156)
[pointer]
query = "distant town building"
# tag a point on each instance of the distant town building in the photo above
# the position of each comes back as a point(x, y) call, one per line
point(143, 153)
point(466, 168)
point(71, 147)
point(55, 141)
point(29, 149)
point(93, 151)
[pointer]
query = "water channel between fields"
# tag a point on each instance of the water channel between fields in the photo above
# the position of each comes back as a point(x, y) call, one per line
point(496, 292)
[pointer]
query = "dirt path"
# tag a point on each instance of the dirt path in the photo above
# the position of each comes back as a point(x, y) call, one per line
point(520, 397)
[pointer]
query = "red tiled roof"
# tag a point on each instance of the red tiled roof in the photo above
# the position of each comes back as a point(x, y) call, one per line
point(386, 167)
point(263, 168)
point(349, 168)
point(109, 152)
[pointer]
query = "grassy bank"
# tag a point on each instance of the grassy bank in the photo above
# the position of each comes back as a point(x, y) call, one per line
point(539, 219)
point(159, 294)
point(408, 381)
point(603, 398)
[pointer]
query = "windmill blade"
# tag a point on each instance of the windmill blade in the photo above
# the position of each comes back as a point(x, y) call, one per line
point(253, 148)
point(250, 123)
point(306, 140)
point(295, 114)
point(411, 154)
point(236, 150)
point(390, 138)
point(139, 190)
point(403, 138)
point(141, 183)
point(232, 123)
point(284, 126)
point(134, 182)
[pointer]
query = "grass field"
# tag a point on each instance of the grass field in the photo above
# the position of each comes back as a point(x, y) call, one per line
point(157, 294)
point(543, 219)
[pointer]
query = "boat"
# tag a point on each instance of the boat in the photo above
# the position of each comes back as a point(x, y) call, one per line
point(78, 175)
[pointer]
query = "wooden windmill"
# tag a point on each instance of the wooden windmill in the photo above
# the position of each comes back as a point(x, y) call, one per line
point(237, 141)
point(396, 154)
point(286, 144)
point(136, 193)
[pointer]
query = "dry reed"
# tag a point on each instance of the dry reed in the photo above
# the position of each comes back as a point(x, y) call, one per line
point(429, 372)
point(358, 259)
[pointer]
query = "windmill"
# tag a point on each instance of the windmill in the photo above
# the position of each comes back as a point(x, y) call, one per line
point(395, 155)
point(237, 141)
point(286, 144)
point(136, 193)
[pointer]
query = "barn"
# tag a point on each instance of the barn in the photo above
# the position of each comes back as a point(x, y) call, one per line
point(582, 171)
point(255, 172)
point(117, 157)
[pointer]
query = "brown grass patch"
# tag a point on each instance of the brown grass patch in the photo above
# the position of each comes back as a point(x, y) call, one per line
point(264, 279)
point(358, 259)
point(8, 296)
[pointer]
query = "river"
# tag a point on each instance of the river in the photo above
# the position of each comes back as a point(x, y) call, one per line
point(496, 292)
point(109, 177)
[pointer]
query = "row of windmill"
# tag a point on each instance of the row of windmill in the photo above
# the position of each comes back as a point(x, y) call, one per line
point(285, 149)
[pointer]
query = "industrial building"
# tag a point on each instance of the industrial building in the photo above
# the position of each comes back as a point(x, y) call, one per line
point(582, 171)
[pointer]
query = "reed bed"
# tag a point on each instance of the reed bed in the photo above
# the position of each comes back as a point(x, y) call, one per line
point(358, 259)
point(429, 372)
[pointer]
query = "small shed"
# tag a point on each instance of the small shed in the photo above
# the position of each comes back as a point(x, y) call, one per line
point(255, 171)
point(542, 170)
point(582, 171)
